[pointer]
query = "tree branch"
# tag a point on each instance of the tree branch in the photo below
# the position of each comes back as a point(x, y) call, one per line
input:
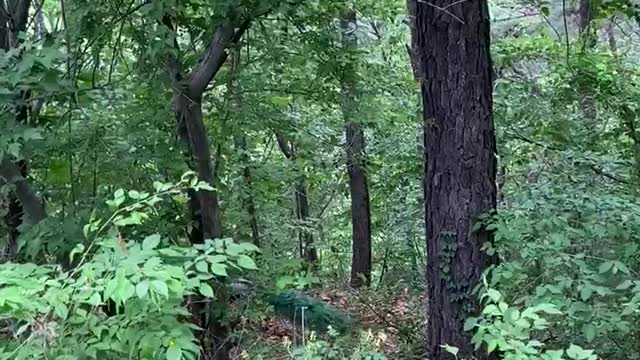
point(284, 146)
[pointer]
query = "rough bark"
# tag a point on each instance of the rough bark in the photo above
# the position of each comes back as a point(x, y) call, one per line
point(205, 210)
point(306, 241)
point(358, 182)
point(460, 163)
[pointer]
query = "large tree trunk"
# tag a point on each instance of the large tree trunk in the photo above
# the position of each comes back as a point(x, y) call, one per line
point(460, 162)
point(358, 185)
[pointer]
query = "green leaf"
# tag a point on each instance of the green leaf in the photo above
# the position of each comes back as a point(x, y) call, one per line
point(151, 242)
point(625, 285)
point(206, 290)
point(554, 354)
point(548, 308)
point(219, 269)
point(79, 248)
point(247, 263)
point(95, 299)
point(544, 10)
point(491, 310)
point(125, 290)
point(174, 353)
point(586, 292)
point(202, 266)
point(142, 288)
point(605, 266)
point(494, 295)
point(451, 349)
point(216, 258)
point(470, 323)
point(160, 287)
point(589, 332)
point(281, 100)
point(578, 353)
point(249, 247)
point(491, 345)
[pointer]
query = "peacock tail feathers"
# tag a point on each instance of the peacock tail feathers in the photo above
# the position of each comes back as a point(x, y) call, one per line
point(317, 315)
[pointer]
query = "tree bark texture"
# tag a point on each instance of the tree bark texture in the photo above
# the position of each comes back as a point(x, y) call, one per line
point(358, 183)
point(460, 163)
point(205, 208)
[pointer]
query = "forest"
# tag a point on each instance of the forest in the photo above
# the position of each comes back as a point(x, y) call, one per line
point(319, 179)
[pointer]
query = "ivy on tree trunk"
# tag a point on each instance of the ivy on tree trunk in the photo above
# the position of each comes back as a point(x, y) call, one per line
point(460, 162)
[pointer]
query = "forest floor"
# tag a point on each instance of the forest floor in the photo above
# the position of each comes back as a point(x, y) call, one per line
point(389, 324)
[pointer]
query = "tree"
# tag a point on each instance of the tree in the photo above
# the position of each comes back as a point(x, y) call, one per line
point(460, 162)
point(306, 242)
point(240, 144)
point(355, 148)
point(187, 104)
point(589, 38)
point(23, 200)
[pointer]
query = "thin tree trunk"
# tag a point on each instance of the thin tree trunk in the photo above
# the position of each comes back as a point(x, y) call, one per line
point(585, 14)
point(589, 39)
point(247, 201)
point(240, 143)
point(309, 251)
point(306, 244)
point(460, 166)
point(358, 184)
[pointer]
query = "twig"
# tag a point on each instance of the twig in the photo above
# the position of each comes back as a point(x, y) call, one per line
point(444, 9)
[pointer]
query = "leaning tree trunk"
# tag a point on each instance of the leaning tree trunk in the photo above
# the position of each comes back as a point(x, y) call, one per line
point(460, 162)
point(187, 105)
point(358, 184)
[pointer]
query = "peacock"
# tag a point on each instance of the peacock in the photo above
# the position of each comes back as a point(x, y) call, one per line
point(317, 315)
